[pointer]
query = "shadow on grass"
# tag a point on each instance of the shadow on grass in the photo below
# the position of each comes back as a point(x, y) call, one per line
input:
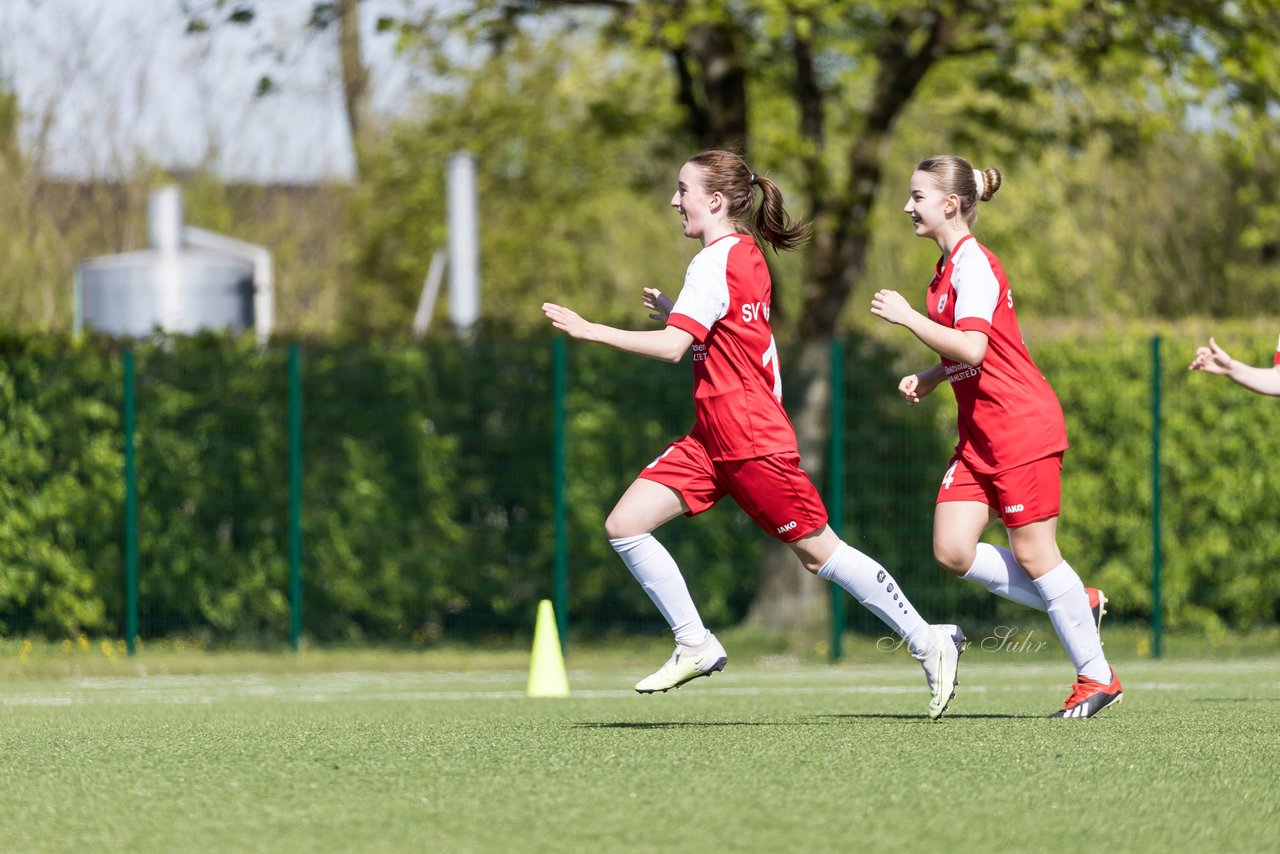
point(678, 724)
point(924, 718)
point(815, 719)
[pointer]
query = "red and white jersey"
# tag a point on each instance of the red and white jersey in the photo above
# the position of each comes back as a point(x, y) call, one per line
point(737, 386)
point(1008, 413)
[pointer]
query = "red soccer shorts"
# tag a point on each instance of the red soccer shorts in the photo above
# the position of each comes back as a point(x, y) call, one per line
point(774, 491)
point(1025, 494)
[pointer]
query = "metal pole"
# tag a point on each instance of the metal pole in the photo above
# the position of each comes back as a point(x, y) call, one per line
point(295, 499)
point(462, 208)
point(835, 487)
point(130, 512)
point(560, 503)
point(1157, 631)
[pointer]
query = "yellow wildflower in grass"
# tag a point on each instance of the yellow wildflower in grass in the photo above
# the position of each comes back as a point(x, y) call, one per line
point(83, 641)
point(25, 652)
point(108, 650)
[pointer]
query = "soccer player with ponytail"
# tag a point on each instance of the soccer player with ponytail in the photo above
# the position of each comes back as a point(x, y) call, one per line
point(742, 443)
point(1008, 461)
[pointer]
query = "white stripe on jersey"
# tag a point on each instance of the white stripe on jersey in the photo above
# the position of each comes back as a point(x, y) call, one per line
point(977, 290)
point(705, 295)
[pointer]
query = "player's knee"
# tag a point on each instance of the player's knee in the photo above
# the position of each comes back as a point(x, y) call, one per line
point(811, 564)
point(618, 525)
point(814, 550)
point(955, 558)
point(1038, 559)
point(810, 561)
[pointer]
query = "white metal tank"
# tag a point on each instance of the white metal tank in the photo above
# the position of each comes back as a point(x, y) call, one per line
point(175, 286)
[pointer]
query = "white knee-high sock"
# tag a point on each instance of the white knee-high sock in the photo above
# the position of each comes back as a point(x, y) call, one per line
point(999, 571)
point(656, 570)
point(873, 586)
point(1072, 619)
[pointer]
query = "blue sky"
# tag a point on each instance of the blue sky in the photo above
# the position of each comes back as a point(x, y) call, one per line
point(107, 84)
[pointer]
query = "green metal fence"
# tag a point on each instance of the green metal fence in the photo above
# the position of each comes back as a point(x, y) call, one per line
point(424, 494)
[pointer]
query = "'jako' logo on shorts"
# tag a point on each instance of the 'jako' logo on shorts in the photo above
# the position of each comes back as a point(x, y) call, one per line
point(787, 527)
point(1014, 508)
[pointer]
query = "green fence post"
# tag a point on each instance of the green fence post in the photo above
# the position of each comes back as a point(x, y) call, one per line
point(559, 373)
point(295, 499)
point(1157, 629)
point(835, 487)
point(130, 512)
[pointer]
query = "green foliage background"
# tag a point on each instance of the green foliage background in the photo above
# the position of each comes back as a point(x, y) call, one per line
point(427, 492)
point(427, 480)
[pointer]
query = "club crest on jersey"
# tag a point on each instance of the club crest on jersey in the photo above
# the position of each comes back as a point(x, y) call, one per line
point(942, 302)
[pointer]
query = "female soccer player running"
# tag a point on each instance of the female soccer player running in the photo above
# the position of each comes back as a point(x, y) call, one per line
point(1214, 360)
point(742, 443)
point(1008, 462)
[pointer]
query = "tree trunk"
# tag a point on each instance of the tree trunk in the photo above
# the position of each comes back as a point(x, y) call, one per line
point(790, 599)
point(724, 83)
point(711, 84)
point(355, 79)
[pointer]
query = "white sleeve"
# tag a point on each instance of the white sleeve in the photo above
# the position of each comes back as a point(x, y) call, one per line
point(705, 295)
point(977, 290)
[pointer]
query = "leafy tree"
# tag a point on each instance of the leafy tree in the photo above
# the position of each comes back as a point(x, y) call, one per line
point(837, 78)
point(570, 145)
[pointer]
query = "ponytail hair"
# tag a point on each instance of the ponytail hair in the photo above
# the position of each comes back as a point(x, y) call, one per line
point(726, 173)
point(953, 174)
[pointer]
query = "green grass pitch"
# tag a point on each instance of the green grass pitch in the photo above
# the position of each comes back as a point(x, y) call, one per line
point(774, 755)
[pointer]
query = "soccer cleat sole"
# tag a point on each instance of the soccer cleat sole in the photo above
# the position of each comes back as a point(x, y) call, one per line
point(1102, 612)
point(1061, 716)
point(960, 648)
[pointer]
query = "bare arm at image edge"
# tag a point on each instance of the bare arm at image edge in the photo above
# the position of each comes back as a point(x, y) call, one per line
point(1214, 360)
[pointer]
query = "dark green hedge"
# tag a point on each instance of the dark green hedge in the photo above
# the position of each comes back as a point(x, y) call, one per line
point(428, 486)
point(1219, 478)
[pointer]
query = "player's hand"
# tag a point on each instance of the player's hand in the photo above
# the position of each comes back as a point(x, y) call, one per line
point(1212, 359)
point(915, 386)
point(891, 306)
point(566, 320)
point(658, 303)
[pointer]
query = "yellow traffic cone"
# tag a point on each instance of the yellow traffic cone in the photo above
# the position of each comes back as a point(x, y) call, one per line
point(547, 677)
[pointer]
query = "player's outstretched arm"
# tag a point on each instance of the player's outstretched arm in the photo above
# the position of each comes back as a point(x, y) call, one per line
point(666, 345)
point(1214, 360)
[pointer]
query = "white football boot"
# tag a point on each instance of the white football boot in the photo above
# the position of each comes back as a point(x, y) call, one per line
point(686, 663)
point(941, 665)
